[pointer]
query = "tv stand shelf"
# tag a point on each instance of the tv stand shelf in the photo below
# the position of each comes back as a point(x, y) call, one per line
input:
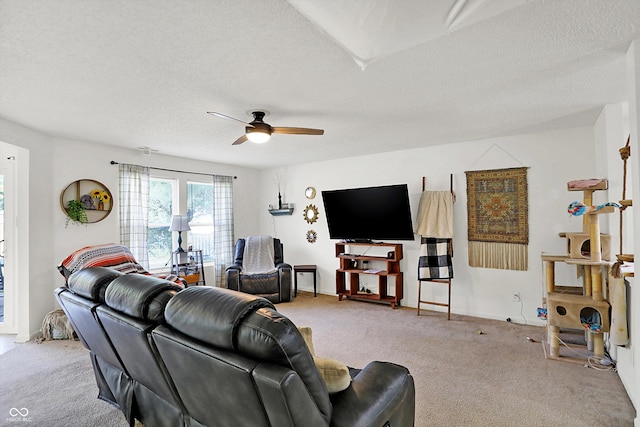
point(348, 275)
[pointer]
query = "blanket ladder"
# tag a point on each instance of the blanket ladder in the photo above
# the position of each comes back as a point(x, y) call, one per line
point(442, 281)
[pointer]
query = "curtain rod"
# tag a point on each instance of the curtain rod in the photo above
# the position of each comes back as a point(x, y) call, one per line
point(113, 162)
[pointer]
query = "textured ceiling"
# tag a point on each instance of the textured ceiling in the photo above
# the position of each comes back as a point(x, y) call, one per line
point(374, 29)
point(145, 72)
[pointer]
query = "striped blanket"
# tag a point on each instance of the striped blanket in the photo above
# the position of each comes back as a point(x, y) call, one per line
point(110, 255)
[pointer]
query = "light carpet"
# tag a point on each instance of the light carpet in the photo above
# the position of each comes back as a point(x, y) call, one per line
point(463, 378)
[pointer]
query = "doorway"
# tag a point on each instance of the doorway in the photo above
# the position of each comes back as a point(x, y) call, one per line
point(8, 211)
point(1, 246)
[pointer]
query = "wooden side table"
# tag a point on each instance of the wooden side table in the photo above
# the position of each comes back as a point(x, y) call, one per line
point(307, 268)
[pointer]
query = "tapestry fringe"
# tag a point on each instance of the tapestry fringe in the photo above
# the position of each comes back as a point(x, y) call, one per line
point(56, 326)
point(505, 256)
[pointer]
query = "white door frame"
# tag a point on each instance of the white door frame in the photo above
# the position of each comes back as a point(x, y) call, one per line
point(8, 169)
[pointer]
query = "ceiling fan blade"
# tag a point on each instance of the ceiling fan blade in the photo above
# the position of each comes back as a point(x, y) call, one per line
point(298, 131)
point(240, 140)
point(224, 116)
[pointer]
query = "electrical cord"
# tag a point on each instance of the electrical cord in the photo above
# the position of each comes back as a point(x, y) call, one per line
point(521, 311)
point(594, 362)
point(524, 319)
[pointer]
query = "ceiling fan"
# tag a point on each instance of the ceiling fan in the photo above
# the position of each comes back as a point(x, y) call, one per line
point(258, 131)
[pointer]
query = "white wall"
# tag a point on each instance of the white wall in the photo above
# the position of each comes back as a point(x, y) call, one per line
point(629, 357)
point(53, 163)
point(35, 255)
point(77, 160)
point(553, 158)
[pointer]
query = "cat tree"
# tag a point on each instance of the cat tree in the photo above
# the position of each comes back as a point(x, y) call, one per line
point(575, 307)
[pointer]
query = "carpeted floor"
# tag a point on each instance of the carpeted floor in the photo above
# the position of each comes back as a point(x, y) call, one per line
point(52, 385)
point(463, 378)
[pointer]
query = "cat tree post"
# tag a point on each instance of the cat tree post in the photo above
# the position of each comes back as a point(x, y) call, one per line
point(550, 274)
point(596, 283)
point(594, 236)
point(598, 344)
point(554, 343)
point(586, 273)
point(587, 199)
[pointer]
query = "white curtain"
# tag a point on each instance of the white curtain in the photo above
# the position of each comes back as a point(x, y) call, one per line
point(134, 210)
point(223, 240)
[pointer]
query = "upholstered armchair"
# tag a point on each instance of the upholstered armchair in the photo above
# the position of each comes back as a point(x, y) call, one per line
point(259, 269)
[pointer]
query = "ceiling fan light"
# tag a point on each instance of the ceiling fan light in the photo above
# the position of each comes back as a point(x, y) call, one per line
point(258, 136)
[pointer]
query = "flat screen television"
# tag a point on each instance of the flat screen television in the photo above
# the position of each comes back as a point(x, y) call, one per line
point(369, 214)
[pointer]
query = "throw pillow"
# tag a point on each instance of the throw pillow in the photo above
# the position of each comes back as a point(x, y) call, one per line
point(334, 374)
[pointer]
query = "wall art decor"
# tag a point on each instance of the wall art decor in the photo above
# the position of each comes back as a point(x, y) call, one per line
point(86, 201)
point(497, 218)
point(310, 193)
point(310, 214)
point(312, 236)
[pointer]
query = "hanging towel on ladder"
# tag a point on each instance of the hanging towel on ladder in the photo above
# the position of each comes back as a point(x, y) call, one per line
point(435, 259)
point(435, 214)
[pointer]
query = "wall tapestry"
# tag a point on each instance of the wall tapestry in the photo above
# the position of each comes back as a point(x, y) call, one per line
point(497, 215)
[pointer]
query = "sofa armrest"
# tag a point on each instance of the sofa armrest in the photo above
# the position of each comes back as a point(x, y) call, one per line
point(381, 393)
point(287, 400)
point(284, 281)
point(283, 266)
point(233, 276)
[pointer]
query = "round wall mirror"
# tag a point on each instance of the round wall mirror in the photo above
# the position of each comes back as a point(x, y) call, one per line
point(310, 214)
point(310, 193)
point(312, 236)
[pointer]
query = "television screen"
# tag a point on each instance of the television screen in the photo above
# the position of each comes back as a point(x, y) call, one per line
point(371, 213)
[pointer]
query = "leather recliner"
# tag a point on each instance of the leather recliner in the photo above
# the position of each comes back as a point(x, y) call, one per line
point(255, 369)
point(112, 314)
point(79, 298)
point(205, 356)
point(134, 306)
point(274, 286)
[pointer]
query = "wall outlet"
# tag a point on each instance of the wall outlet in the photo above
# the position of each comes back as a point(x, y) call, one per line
point(516, 297)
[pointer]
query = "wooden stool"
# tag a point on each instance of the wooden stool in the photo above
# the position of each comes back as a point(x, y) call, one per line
point(309, 268)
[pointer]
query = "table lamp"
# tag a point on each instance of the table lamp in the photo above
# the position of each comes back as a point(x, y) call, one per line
point(180, 223)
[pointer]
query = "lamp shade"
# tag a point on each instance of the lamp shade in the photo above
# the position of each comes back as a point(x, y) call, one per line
point(257, 135)
point(180, 223)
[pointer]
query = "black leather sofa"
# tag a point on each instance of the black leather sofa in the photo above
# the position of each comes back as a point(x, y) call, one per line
point(204, 356)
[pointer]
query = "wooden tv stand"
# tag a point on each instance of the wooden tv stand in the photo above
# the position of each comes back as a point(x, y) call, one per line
point(350, 265)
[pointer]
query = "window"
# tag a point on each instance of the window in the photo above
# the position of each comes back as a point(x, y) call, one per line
point(200, 213)
point(174, 196)
point(148, 201)
point(161, 202)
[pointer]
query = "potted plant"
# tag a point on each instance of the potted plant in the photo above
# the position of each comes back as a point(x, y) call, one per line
point(76, 213)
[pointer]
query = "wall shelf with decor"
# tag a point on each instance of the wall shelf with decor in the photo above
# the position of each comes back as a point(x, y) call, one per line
point(86, 201)
point(352, 265)
point(278, 212)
